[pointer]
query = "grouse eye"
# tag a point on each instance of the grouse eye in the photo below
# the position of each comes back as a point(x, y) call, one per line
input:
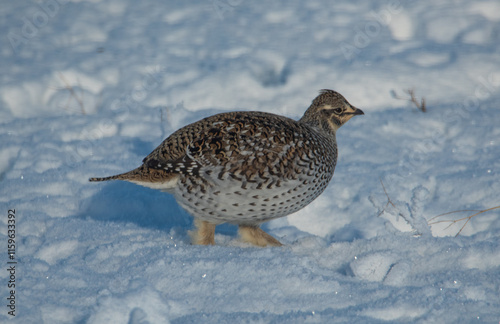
point(337, 111)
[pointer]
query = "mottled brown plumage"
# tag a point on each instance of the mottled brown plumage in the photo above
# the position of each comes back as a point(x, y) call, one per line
point(246, 168)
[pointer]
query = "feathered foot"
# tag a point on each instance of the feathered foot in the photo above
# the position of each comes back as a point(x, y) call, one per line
point(204, 233)
point(256, 236)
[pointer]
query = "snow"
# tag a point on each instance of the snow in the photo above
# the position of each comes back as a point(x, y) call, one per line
point(88, 88)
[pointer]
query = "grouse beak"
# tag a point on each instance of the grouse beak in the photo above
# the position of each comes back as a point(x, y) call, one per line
point(357, 111)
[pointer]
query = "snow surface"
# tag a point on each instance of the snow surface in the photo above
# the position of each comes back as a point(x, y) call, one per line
point(88, 88)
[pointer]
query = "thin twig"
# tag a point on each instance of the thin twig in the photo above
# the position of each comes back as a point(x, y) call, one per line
point(421, 105)
point(389, 201)
point(399, 213)
point(73, 93)
point(453, 222)
point(413, 99)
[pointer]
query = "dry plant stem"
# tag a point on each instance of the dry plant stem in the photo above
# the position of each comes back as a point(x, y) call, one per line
point(413, 99)
point(467, 219)
point(400, 214)
point(421, 105)
point(389, 201)
point(73, 93)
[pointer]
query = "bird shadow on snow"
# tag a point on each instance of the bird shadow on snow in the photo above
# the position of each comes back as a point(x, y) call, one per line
point(129, 203)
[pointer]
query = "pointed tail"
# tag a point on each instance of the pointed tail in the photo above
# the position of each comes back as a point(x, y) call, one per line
point(115, 177)
point(146, 177)
point(122, 176)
